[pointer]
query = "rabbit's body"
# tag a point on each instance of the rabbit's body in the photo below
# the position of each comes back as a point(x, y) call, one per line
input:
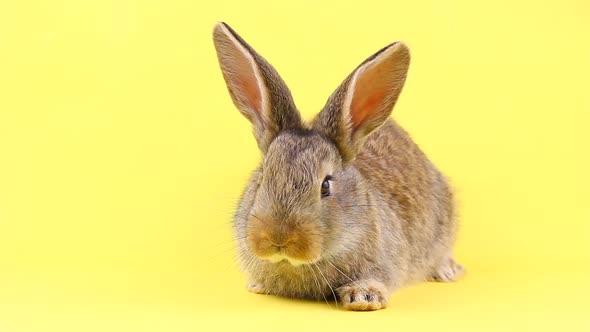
point(405, 223)
point(347, 206)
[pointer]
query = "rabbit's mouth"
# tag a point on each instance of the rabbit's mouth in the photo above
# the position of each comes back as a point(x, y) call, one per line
point(279, 258)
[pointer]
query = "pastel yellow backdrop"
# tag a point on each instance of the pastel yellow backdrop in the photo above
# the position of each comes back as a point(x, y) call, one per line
point(122, 157)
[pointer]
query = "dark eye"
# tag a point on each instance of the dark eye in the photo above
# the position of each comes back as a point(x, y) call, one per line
point(326, 187)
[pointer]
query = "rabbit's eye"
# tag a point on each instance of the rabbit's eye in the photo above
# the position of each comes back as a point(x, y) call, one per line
point(326, 187)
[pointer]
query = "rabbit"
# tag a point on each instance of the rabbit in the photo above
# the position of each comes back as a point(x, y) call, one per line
point(347, 206)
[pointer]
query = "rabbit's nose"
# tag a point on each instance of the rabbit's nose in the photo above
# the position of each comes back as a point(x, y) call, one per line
point(279, 243)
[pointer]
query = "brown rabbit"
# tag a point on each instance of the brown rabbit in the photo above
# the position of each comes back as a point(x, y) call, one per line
point(345, 207)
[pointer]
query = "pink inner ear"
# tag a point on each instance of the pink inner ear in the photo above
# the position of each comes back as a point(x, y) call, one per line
point(239, 74)
point(250, 92)
point(364, 104)
point(373, 85)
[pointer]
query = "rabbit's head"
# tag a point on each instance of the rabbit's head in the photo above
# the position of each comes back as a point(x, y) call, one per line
point(307, 190)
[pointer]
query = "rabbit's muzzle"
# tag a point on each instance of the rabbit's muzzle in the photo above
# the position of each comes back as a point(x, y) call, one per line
point(292, 240)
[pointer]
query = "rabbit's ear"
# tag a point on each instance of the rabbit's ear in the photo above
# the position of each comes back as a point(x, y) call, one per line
point(364, 101)
point(255, 87)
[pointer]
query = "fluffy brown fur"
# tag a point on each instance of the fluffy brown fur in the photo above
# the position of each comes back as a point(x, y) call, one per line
point(389, 218)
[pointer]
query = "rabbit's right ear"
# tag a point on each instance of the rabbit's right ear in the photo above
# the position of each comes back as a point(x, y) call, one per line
point(364, 101)
point(255, 87)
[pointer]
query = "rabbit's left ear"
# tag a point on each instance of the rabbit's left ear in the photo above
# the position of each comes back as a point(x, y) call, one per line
point(255, 87)
point(364, 101)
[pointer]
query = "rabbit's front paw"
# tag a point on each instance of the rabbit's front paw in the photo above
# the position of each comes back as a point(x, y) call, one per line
point(363, 295)
point(257, 288)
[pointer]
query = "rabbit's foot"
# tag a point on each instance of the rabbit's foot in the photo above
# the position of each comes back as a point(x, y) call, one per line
point(257, 288)
point(448, 271)
point(363, 295)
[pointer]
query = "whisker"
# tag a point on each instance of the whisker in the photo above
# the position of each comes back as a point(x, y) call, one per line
point(337, 269)
point(327, 282)
point(250, 262)
point(234, 262)
point(315, 278)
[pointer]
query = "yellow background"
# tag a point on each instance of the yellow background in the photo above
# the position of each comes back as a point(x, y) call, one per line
point(122, 157)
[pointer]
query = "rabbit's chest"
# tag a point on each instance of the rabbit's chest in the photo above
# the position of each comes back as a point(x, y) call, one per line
point(308, 281)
